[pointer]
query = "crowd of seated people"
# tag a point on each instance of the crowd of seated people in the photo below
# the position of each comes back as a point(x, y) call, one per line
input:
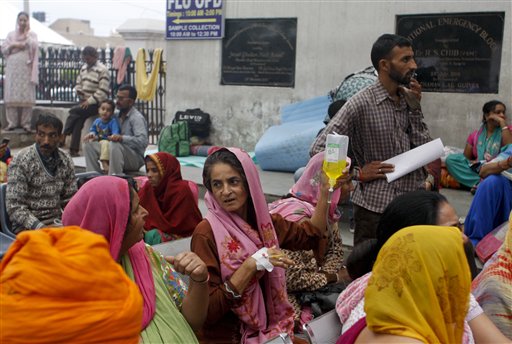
point(248, 260)
point(415, 210)
point(237, 268)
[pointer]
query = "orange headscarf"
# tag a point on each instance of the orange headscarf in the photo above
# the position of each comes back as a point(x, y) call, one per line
point(62, 285)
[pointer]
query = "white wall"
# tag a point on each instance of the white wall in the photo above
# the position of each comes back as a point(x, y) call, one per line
point(334, 39)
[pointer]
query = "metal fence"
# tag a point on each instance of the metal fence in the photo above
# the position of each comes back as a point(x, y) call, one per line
point(59, 67)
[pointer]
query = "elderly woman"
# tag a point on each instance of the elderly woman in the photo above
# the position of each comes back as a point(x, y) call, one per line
point(410, 209)
point(240, 243)
point(110, 206)
point(21, 73)
point(172, 209)
point(62, 296)
point(482, 145)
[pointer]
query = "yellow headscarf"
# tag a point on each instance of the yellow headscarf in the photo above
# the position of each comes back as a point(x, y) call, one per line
point(62, 285)
point(420, 286)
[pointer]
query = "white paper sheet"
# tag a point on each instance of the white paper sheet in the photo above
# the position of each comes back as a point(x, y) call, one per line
point(414, 159)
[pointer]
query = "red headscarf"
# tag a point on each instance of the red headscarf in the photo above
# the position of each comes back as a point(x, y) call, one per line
point(171, 205)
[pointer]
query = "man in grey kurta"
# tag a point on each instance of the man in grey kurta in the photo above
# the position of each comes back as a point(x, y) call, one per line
point(41, 179)
point(127, 149)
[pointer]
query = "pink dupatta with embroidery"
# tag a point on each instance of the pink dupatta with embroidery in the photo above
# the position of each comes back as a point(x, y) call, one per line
point(263, 313)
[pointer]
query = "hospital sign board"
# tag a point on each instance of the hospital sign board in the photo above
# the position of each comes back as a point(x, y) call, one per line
point(194, 19)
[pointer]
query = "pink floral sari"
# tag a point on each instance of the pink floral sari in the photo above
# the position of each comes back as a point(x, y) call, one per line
point(263, 313)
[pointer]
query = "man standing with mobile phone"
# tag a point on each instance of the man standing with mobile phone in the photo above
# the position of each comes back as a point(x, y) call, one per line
point(382, 121)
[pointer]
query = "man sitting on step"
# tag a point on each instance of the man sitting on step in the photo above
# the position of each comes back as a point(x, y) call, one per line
point(126, 151)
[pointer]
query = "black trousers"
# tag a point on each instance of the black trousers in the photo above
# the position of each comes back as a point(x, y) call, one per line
point(366, 222)
point(75, 123)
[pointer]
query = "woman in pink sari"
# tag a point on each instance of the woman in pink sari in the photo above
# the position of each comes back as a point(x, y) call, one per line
point(240, 243)
point(21, 73)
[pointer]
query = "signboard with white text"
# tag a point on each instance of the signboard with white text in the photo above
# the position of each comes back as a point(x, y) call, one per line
point(456, 52)
point(194, 19)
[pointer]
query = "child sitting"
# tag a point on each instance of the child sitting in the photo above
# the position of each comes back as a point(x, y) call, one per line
point(101, 130)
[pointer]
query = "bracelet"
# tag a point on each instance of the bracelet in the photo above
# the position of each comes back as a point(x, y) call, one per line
point(229, 290)
point(201, 282)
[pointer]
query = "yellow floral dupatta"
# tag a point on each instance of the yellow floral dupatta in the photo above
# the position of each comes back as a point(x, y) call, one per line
point(420, 286)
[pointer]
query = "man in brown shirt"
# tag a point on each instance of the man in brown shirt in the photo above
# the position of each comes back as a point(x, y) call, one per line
point(382, 121)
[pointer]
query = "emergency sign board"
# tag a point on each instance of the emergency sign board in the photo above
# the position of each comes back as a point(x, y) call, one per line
point(194, 19)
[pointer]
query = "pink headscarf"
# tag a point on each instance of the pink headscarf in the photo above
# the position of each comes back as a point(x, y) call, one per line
point(305, 192)
point(263, 315)
point(102, 206)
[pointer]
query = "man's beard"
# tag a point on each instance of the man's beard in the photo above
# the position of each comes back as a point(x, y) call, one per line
point(398, 78)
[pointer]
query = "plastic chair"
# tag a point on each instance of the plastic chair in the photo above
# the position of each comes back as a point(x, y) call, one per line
point(325, 329)
point(5, 242)
point(4, 217)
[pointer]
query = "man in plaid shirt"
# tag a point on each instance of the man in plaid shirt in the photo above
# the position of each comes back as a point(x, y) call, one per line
point(382, 121)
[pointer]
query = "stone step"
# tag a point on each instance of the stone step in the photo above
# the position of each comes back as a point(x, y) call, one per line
point(18, 138)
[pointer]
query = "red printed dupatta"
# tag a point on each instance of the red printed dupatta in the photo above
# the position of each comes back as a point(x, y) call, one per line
point(263, 314)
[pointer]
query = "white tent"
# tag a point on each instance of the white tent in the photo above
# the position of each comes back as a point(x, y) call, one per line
point(45, 35)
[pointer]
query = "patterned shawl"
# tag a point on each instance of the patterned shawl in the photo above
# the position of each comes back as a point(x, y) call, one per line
point(171, 206)
point(102, 206)
point(61, 285)
point(264, 314)
point(420, 286)
point(493, 287)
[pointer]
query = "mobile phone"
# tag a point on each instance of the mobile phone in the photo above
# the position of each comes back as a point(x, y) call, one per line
point(5, 141)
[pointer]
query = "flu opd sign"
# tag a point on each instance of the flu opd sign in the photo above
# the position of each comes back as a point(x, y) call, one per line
point(186, 4)
point(194, 19)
